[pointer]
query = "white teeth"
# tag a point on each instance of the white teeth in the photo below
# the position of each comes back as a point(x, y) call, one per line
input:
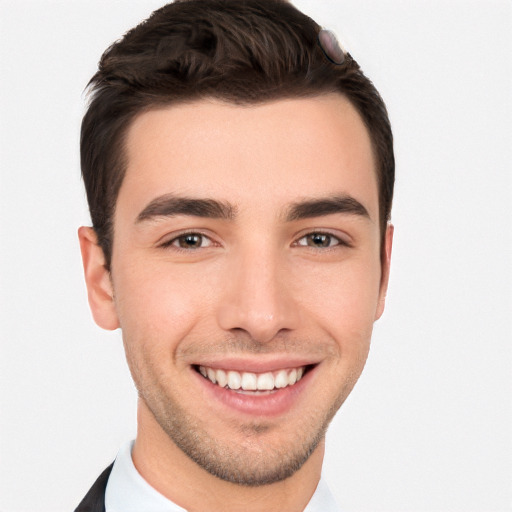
point(249, 381)
point(281, 380)
point(234, 380)
point(211, 375)
point(265, 382)
point(222, 378)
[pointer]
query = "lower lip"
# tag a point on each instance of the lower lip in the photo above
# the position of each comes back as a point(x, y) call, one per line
point(272, 403)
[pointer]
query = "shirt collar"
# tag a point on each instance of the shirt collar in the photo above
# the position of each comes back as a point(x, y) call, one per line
point(127, 491)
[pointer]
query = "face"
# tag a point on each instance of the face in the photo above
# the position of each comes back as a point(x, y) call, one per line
point(246, 276)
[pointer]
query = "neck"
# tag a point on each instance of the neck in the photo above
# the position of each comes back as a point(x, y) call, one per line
point(174, 475)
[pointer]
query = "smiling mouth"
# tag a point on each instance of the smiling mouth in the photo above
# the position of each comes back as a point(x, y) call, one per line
point(253, 382)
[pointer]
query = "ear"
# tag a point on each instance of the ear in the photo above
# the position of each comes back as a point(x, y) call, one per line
point(385, 263)
point(97, 278)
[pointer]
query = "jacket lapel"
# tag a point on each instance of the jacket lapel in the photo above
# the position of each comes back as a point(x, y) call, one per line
point(94, 500)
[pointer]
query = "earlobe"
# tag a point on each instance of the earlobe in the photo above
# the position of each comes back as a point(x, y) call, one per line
point(97, 279)
point(385, 266)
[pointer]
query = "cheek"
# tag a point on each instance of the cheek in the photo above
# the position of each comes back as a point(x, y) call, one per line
point(343, 296)
point(342, 301)
point(161, 304)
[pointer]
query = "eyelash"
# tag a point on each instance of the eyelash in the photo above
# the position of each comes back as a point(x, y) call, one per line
point(339, 242)
point(331, 237)
point(182, 236)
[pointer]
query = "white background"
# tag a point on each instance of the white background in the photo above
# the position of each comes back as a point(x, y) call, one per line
point(429, 426)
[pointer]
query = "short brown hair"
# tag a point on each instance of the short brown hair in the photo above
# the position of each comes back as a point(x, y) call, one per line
point(240, 51)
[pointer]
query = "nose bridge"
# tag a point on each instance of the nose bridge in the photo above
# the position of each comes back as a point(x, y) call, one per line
point(257, 296)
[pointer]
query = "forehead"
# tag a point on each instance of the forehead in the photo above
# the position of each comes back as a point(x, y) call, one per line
point(269, 154)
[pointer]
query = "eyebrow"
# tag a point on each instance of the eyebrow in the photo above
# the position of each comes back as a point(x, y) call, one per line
point(170, 205)
point(326, 206)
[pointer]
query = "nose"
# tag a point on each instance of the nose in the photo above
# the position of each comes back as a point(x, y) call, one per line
point(258, 297)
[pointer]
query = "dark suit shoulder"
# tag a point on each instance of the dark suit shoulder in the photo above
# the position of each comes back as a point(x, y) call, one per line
point(94, 500)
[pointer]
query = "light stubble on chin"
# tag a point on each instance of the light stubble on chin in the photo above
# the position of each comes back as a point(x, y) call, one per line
point(254, 464)
point(262, 455)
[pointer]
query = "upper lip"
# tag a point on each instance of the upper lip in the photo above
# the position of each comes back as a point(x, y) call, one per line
point(256, 365)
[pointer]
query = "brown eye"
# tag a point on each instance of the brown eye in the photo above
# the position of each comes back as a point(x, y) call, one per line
point(319, 240)
point(191, 241)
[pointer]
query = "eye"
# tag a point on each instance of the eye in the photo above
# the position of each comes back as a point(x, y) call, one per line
point(189, 241)
point(319, 240)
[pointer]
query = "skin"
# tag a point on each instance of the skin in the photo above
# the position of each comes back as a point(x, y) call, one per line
point(258, 290)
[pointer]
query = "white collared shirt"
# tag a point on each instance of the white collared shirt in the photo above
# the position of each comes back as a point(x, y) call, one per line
point(127, 491)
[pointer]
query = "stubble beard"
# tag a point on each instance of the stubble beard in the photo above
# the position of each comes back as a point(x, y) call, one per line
point(251, 454)
point(254, 463)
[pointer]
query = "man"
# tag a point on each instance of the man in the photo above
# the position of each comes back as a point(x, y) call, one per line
point(239, 171)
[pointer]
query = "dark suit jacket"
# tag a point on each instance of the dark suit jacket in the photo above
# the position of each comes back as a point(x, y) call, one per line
point(94, 500)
